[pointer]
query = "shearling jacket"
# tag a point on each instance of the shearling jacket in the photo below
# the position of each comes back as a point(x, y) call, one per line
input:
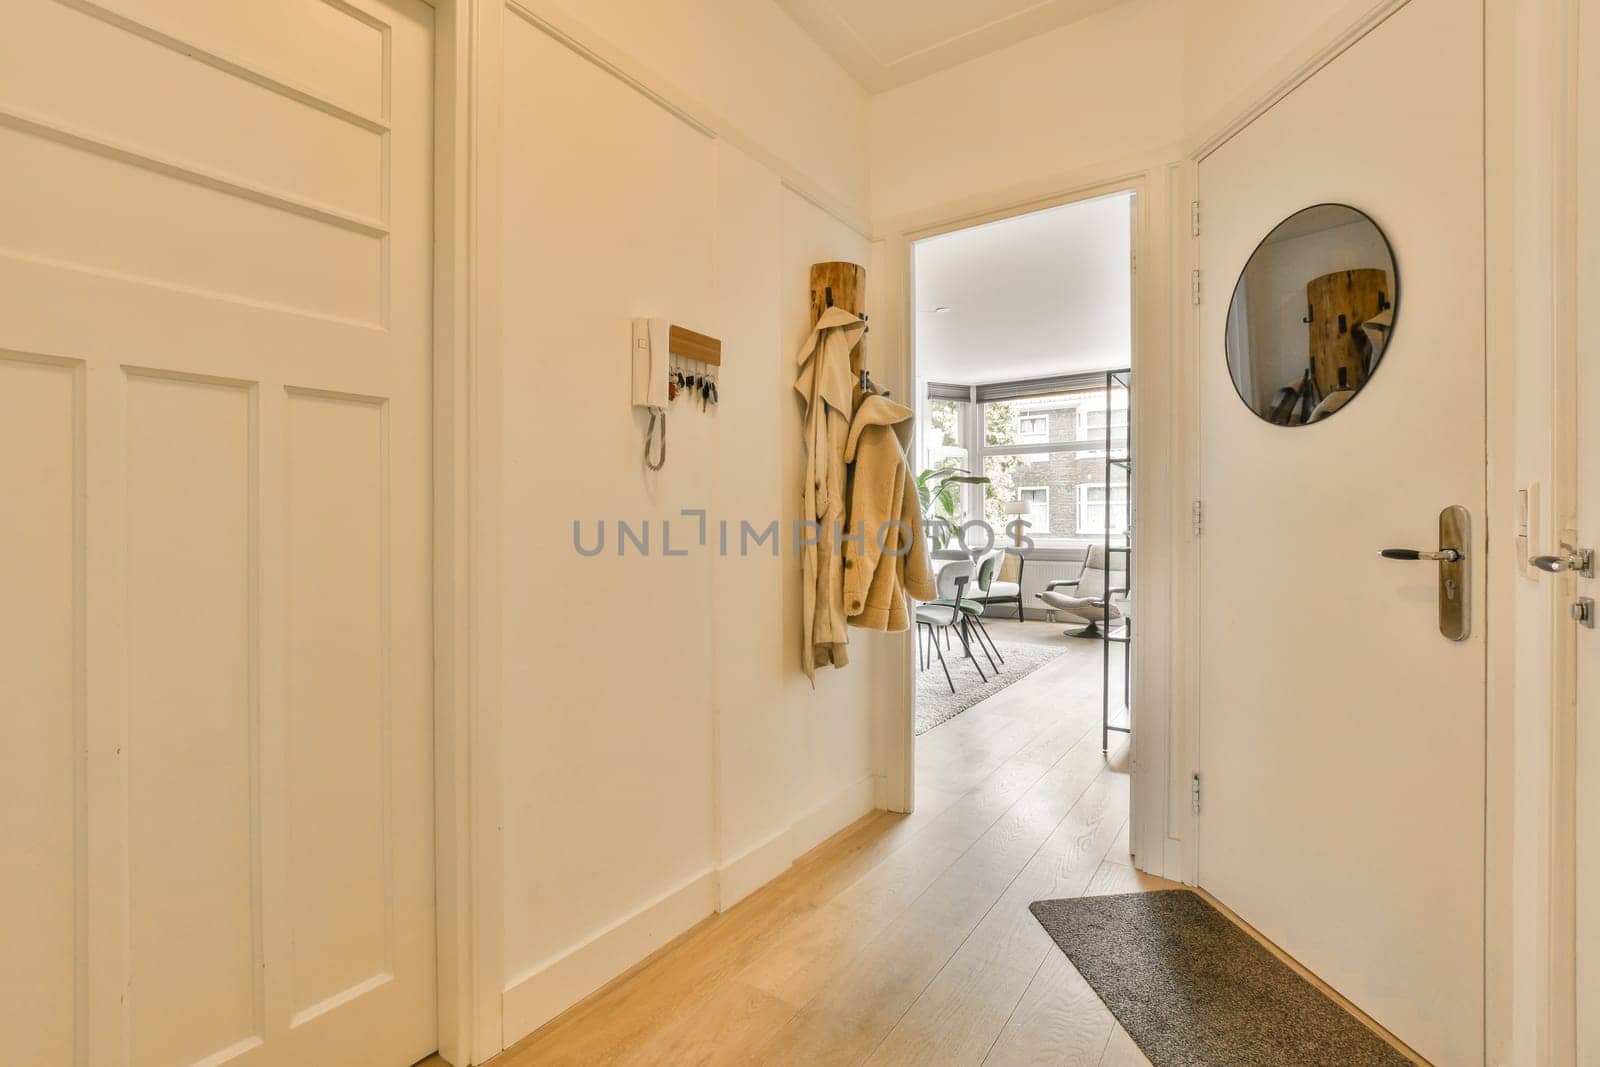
point(888, 557)
point(825, 385)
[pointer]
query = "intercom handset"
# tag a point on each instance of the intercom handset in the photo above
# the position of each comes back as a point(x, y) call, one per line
point(651, 351)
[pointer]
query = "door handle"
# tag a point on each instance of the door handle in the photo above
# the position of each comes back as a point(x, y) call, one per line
point(1455, 576)
point(1445, 555)
point(1581, 561)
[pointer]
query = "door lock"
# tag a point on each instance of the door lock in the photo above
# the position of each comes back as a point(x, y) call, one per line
point(1578, 561)
point(1583, 611)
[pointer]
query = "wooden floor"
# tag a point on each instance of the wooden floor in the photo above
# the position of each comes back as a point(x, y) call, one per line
point(906, 938)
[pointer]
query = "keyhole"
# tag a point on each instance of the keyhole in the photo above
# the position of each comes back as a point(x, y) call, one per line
point(1450, 588)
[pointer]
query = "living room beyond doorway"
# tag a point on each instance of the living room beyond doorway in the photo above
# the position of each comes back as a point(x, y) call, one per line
point(1023, 354)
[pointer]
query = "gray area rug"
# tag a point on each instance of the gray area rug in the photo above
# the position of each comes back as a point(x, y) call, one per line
point(1193, 989)
point(935, 702)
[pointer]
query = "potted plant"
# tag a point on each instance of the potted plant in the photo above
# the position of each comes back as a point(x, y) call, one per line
point(941, 500)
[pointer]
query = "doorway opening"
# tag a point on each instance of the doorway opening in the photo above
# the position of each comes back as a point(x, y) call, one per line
point(1023, 351)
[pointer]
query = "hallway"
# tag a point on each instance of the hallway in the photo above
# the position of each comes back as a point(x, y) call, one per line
point(906, 939)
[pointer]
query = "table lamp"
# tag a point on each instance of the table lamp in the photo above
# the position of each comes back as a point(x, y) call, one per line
point(1017, 508)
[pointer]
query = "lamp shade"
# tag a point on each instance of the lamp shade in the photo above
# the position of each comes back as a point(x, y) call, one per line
point(1017, 507)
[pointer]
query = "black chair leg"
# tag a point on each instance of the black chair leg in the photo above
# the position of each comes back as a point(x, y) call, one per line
point(972, 620)
point(942, 664)
point(962, 634)
point(984, 631)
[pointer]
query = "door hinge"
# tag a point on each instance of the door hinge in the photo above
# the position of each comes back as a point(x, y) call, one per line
point(1194, 792)
point(1133, 263)
point(1197, 518)
point(1194, 218)
point(1194, 287)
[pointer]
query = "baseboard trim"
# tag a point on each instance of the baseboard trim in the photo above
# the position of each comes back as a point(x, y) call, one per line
point(550, 988)
point(754, 868)
point(834, 814)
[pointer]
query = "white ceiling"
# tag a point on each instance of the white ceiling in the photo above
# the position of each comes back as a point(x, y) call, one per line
point(885, 43)
point(1040, 294)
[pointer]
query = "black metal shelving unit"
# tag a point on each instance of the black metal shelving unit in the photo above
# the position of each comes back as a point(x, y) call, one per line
point(1120, 631)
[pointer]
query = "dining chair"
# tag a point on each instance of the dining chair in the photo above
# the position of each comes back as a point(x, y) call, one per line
point(974, 605)
point(934, 617)
point(1001, 590)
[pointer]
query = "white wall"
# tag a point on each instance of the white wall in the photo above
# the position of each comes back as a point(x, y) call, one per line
point(1234, 48)
point(1111, 90)
point(664, 755)
point(1099, 91)
point(748, 64)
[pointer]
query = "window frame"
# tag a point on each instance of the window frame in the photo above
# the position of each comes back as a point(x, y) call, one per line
point(1042, 434)
point(1083, 504)
point(1045, 489)
point(972, 436)
point(1096, 437)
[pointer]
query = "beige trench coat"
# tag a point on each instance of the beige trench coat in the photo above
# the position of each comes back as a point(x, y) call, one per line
point(825, 388)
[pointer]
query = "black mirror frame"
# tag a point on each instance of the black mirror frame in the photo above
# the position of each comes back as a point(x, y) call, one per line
point(1395, 302)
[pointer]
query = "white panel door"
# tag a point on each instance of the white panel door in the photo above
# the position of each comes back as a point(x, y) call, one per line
point(1341, 736)
point(216, 773)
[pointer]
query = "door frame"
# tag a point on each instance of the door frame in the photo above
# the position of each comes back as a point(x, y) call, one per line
point(466, 556)
point(1565, 34)
point(1347, 27)
point(1148, 179)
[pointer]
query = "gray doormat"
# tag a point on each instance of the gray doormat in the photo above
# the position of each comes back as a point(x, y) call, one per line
point(935, 702)
point(1193, 989)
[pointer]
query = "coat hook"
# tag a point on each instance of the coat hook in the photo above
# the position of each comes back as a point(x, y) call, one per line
point(1309, 313)
point(827, 294)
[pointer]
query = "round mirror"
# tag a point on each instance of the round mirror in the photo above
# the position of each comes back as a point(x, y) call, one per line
point(1312, 315)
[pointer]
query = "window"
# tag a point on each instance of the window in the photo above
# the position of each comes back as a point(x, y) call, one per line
point(1046, 450)
point(1092, 424)
point(942, 444)
point(1033, 429)
point(1092, 509)
point(1037, 497)
point(1035, 420)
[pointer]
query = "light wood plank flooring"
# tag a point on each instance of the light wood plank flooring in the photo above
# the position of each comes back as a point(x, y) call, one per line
point(906, 939)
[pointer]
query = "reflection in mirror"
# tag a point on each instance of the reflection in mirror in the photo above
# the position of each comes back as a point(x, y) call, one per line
point(1312, 314)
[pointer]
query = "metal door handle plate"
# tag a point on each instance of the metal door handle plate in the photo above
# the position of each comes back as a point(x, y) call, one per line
point(1455, 576)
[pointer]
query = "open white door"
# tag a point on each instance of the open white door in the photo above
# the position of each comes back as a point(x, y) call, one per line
point(1341, 734)
point(216, 772)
